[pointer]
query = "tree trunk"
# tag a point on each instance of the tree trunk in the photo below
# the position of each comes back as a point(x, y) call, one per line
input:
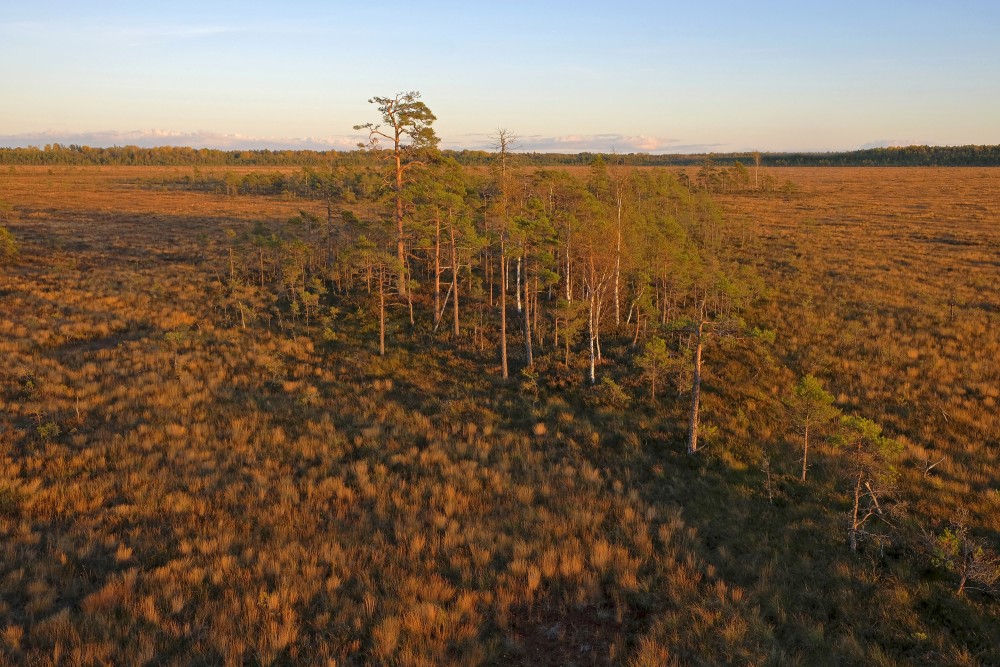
point(518, 284)
point(555, 333)
point(381, 312)
point(527, 316)
point(409, 294)
point(597, 325)
point(260, 256)
point(618, 259)
point(591, 336)
point(805, 452)
point(566, 340)
point(489, 273)
point(503, 307)
point(695, 392)
point(534, 313)
point(569, 283)
point(966, 566)
point(400, 249)
point(454, 276)
point(853, 533)
point(437, 268)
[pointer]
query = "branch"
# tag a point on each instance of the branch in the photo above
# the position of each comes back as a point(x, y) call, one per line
point(932, 465)
point(419, 163)
point(871, 494)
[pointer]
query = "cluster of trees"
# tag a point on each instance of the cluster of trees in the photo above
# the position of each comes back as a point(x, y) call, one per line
point(870, 477)
point(543, 270)
point(736, 179)
point(532, 262)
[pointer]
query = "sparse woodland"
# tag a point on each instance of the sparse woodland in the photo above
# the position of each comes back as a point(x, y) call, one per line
point(395, 410)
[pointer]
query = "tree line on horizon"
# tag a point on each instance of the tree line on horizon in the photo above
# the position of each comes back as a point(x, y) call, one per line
point(910, 156)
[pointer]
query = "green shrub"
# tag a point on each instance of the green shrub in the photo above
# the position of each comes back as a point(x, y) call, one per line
point(8, 244)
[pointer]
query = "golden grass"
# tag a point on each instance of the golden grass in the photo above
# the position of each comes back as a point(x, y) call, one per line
point(209, 494)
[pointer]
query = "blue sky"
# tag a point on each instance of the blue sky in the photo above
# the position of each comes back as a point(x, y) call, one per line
point(625, 76)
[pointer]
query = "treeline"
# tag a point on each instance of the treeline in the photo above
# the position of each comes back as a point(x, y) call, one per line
point(906, 156)
point(165, 156)
point(909, 156)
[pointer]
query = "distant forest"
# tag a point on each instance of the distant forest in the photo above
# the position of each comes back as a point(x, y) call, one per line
point(910, 156)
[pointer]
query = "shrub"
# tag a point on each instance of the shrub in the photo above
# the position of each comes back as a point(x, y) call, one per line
point(8, 244)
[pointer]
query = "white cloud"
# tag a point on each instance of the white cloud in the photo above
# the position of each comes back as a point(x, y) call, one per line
point(571, 143)
point(157, 137)
point(598, 143)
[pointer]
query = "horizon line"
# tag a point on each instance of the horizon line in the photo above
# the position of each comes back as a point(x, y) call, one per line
point(456, 149)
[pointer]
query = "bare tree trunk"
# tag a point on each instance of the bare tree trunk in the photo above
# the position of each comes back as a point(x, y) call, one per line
point(260, 256)
point(400, 248)
point(408, 293)
point(555, 333)
point(695, 391)
point(489, 273)
point(853, 533)
point(381, 311)
point(503, 307)
point(518, 284)
point(454, 276)
point(590, 335)
point(437, 268)
point(597, 323)
point(618, 259)
point(534, 313)
point(805, 452)
point(569, 282)
point(527, 317)
point(566, 340)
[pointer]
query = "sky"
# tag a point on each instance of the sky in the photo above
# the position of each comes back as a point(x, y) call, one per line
point(624, 76)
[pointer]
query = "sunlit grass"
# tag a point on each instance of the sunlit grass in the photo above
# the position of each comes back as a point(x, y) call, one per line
point(213, 494)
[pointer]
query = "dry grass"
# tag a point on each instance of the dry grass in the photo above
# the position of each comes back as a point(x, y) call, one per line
point(177, 489)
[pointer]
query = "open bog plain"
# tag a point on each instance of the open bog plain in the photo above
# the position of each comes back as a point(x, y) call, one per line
point(196, 471)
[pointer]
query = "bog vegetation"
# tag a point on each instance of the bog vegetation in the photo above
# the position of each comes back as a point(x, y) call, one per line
point(396, 410)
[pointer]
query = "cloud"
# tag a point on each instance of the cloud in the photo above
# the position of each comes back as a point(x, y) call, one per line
point(200, 139)
point(598, 143)
point(534, 143)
